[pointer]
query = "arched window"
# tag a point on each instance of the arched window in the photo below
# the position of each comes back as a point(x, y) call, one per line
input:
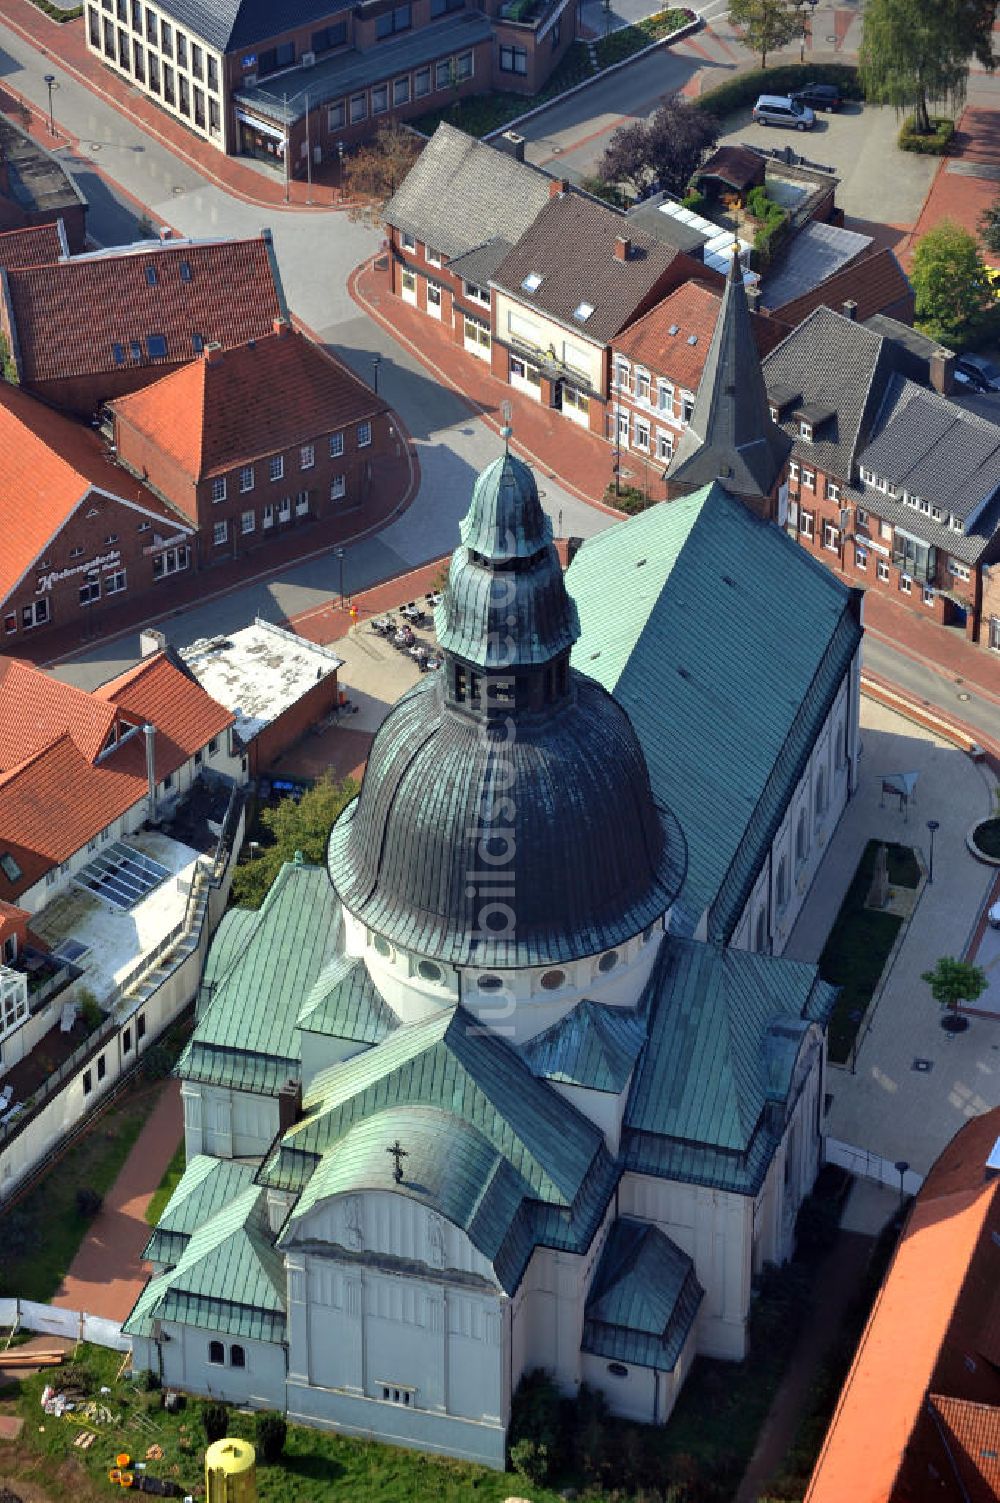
point(820, 792)
point(237, 1357)
point(802, 837)
point(781, 884)
point(216, 1352)
point(761, 938)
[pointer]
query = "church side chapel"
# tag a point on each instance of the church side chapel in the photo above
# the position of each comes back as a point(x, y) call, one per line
point(520, 1078)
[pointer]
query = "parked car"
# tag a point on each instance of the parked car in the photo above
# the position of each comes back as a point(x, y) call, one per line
point(780, 109)
point(820, 96)
point(978, 372)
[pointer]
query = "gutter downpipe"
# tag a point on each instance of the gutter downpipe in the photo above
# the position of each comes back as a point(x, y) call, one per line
point(149, 732)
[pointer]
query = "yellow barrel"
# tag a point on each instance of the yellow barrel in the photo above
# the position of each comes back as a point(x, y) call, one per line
point(230, 1472)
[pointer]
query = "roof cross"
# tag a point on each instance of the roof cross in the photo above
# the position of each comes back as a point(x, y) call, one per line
point(399, 1153)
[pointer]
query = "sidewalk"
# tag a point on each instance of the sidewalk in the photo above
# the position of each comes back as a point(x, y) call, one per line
point(945, 648)
point(107, 1273)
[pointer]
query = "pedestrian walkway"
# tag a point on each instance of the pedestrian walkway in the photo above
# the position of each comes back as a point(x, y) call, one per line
point(107, 1273)
point(925, 641)
point(914, 1085)
point(957, 193)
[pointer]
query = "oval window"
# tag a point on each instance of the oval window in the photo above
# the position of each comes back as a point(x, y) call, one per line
point(489, 983)
point(382, 946)
point(552, 980)
point(618, 1369)
point(428, 970)
point(608, 961)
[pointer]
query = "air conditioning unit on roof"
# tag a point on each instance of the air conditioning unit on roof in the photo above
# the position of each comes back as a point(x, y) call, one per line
point(307, 59)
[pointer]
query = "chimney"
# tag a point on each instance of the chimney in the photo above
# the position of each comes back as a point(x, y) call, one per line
point(511, 144)
point(151, 641)
point(558, 187)
point(941, 371)
point(165, 232)
point(289, 1105)
point(150, 734)
point(753, 297)
point(573, 546)
point(265, 235)
point(213, 352)
point(281, 327)
point(850, 309)
point(623, 247)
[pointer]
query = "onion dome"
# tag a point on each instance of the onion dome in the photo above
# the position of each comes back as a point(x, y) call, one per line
point(506, 817)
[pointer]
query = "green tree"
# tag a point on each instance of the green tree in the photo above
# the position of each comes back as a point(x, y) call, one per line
point(913, 52)
point(373, 172)
point(766, 25)
point(989, 227)
point(949, 280)
point(953, 981)
point(295, 825)
point(666, 150)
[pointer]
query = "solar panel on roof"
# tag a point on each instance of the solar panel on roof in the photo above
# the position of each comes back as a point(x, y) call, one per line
point(122, 875)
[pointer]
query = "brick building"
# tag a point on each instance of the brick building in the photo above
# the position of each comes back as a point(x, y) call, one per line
point(149, 308)
point(35, 245)
point(293, 84)
point(891, 482)
point(80, 535)
point(240, 467)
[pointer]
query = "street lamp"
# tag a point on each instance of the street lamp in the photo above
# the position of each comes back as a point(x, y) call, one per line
point(901, 1167)
point(340, 158)
point(807, 6)
point(50, 81)
point(376, 362)
point(932, 825)
point(340, 559)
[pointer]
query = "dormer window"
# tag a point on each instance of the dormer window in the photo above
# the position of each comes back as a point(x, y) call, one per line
point(773, 410)
point(806, 430)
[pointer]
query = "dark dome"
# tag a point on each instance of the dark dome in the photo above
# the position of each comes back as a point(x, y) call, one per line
point(506, 817)
point(594, 860)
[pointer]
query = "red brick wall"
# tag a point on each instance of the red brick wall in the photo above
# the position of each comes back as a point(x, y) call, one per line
point(296, 722)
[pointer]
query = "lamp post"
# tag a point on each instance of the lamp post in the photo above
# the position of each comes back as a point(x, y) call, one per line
point(50, 82)
point(376, 362)
point(808, 8)
point(901, 1166)
point(340, 159)
point(340, 560)
point(932, 825)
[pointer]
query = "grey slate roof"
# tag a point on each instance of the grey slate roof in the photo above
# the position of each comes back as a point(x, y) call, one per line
point(815, 252)
point(231, 24)
point(571, 246)
point(206, 1186)
point(643, 1300)
point(934, 448)
point(462, 193)
point(720, 1049)
point(648, 217)
point(920, 345)
point(282, 96)
point(480, 264)
point(594, 1045)
point(968, 547)
point(731, 436)
point(678, 621)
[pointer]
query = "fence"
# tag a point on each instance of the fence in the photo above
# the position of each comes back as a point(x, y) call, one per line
point(865, 1164)
point(74, 1325)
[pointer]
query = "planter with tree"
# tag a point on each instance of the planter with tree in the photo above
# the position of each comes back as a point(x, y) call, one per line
point(953, 982)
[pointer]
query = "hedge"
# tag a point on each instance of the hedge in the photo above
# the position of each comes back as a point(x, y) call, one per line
point(627, 40)
point(934, 145)
point(736, 93)
point(56, 14)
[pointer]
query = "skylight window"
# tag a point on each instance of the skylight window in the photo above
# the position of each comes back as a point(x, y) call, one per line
point(532, 281)
point(151, 276)
point(156, 345)
point(118, 354)
point(9, 867)
point(692, 339)
point(674, 329)
point(135, 349)
point(582, 312)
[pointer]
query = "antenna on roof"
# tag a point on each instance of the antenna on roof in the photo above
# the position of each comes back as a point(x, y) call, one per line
point(507, 413)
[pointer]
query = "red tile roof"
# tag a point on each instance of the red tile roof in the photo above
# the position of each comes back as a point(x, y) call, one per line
point(36, 709)
point(217, 412)
point(35, 245)
point(58, 797)
point(230, 293)
point(691, 310)
point(736, 166)
point(877, 283)
point(922, 1339)
point(971, 1434)
point(51, 462)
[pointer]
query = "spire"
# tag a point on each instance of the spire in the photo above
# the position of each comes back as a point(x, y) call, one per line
point(506, 609)
point(731, 437)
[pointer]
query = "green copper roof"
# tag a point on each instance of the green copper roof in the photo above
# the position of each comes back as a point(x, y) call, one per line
point(724, 1040)
point(245, 1034)
point(643, 1300)
point(344, 1003)
point(230, 1279)
point(206, 1185)
point(594, 1045)
point(726, 691)
point(235, 928)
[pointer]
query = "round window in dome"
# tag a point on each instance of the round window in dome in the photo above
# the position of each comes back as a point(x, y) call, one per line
point(428, 970)
point(382, 947)
point(490, 983)
point(552, 980)
point(608, 961)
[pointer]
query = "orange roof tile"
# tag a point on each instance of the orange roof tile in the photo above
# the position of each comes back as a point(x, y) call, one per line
point(35, 245)
point(691, 310)
point(185, 716)
point(971, 1433)
point(51, 462)
point(230, 292)
point(35, 709)
point(218, 412)
point(918, 1336)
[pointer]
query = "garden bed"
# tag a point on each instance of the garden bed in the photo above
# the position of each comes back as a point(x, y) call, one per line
point(985, 840)
point(628, 40)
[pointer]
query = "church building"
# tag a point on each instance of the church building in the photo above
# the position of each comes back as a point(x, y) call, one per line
point(509, 1083)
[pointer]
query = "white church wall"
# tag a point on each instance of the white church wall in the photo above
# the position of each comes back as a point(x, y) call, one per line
point(715, 1228)
point(186, 1352)
point(317, 1052)
point(603, 1108)
point(791, 1174)
point(638, 1393)
point(227, 1124)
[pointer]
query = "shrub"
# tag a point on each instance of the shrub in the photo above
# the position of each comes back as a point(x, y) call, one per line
point(150, 1381)
point(90, 1011)
point(535, 1411)
point(694, 201)
point(88, 1201)
point(272, 1431)
point(157, 1062)
point(76, 1376)
point(215, 1421)
point(530, 1459)
point(934, 145)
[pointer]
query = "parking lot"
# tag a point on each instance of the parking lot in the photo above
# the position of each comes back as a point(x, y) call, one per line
point(859, 144)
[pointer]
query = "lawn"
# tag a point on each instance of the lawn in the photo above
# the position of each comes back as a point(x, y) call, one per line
point(859, 944)
point(317, 1467)
point(627, 40)
point(168, 1184)
point(40, 1235)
